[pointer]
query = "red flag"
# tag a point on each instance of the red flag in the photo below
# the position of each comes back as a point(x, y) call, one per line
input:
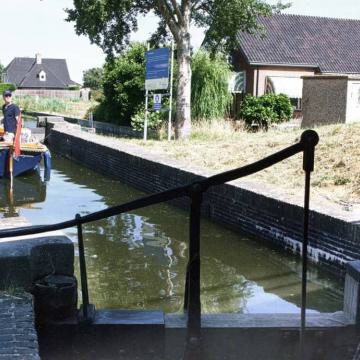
point(18, 136)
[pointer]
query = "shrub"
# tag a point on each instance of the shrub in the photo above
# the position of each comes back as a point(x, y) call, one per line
point(7, 86)
point(123, 84)
point(210, 96)
point(155, 119)
point(265, 110)
point(74, 87)
point(97, 95)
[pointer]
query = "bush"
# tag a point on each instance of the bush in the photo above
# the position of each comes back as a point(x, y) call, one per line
point(123, 84)
point(97, 95)
point(265, 110)
point(74, 87)
point(7, 86)
point(155, 119)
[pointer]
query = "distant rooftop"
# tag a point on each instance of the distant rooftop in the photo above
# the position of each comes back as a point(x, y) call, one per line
point(24, 73)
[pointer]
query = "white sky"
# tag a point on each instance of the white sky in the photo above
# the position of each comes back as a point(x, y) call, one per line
point(31, 26)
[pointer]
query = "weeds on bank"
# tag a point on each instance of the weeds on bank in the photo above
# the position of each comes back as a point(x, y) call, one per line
point(219, 145)
point(70, 107)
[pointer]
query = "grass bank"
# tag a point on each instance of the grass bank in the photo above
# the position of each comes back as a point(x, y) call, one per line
point(219, 147)
point(69, 107)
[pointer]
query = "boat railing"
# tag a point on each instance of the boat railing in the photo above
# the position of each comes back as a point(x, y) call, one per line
point(194, 191)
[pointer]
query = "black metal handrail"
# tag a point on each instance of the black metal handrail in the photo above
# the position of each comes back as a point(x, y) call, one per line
point(194, 191)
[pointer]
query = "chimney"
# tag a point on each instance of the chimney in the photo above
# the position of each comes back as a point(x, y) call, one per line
point(38, 58)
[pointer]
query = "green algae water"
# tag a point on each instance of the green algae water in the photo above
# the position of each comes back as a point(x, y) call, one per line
point(138, 260)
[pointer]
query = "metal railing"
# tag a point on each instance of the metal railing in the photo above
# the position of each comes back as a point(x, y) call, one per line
point(194, 191)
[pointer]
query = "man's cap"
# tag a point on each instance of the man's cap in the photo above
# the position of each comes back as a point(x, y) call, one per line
point(7, 93)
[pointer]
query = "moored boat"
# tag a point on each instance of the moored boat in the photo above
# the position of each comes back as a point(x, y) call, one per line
point(29, 159)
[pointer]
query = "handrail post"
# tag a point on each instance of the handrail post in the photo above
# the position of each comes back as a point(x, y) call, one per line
point(83, 275)
point(309, 139)
point(193, 276)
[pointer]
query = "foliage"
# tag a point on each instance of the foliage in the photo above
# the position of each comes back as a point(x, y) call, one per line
point(155, 120)
point(93, 78)
point(70, 107)
point(74, 87)
point(124, 79)
point(31, 103)
point(109, 23)
point(7, 86)
point(210, 97)
point(97, 95)
point(2, 68)
point(265, 110)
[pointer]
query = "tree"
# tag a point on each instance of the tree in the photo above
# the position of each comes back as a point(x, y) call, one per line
point(1, 71)
point(210, 96)
point(108, 23)
point(93, 78)
point(123, 83)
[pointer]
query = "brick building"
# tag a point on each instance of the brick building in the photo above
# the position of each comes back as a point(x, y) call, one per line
point(296, 46)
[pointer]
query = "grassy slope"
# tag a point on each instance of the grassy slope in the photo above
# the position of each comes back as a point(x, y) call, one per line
point(218, 147)
point(56, 106)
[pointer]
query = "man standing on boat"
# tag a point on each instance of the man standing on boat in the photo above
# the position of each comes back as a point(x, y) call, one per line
point(11, 117)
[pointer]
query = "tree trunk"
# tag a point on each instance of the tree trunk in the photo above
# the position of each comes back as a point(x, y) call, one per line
point(183, 98)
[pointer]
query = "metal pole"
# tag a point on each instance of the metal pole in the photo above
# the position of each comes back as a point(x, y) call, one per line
point(146, 106)
point(83, 275)
point(309, 139)
point(171, 89)
point(194, 304)
point(304, 262)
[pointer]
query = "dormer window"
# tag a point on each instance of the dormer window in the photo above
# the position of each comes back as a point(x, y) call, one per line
point(42, 75)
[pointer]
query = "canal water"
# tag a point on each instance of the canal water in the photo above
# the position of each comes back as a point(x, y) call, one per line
point(138, 260)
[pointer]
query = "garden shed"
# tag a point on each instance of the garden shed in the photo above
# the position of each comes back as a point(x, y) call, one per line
point(331, 99)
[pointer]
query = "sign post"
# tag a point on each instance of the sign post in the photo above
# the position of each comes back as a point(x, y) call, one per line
point(157, 78)
point(146, 106)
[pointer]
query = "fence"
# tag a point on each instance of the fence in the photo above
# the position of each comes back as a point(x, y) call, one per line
point(54, 93)
point(194, 192)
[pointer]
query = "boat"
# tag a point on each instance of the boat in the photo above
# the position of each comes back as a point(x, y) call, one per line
point(31, 155)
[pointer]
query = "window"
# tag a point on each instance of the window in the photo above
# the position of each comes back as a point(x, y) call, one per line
point(42, 75)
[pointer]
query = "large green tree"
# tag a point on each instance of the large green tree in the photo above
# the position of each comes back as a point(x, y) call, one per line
point(93, 78)
point(109, 23)
point(1, 71)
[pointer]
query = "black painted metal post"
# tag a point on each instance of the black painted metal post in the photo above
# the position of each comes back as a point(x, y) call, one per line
point(194, 304)
point(186, 293)
point(83, 275)
point(309, 139)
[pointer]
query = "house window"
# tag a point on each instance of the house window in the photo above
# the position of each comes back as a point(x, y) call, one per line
point(42, 75)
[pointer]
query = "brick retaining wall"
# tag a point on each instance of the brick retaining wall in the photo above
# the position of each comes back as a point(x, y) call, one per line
point(333, 241)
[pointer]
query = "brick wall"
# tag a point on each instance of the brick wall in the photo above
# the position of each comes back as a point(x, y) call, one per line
point(333, 241)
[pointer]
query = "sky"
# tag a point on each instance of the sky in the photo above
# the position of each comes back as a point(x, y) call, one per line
point(33, 26)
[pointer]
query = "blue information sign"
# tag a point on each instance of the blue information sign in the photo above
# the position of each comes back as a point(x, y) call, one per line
point(157, 69)
point(157, 102)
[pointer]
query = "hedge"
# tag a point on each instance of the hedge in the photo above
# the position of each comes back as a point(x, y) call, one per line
point(7, 86)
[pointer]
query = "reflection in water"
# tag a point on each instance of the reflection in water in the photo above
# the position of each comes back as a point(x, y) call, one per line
point(138, 260)
point(28, 190)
